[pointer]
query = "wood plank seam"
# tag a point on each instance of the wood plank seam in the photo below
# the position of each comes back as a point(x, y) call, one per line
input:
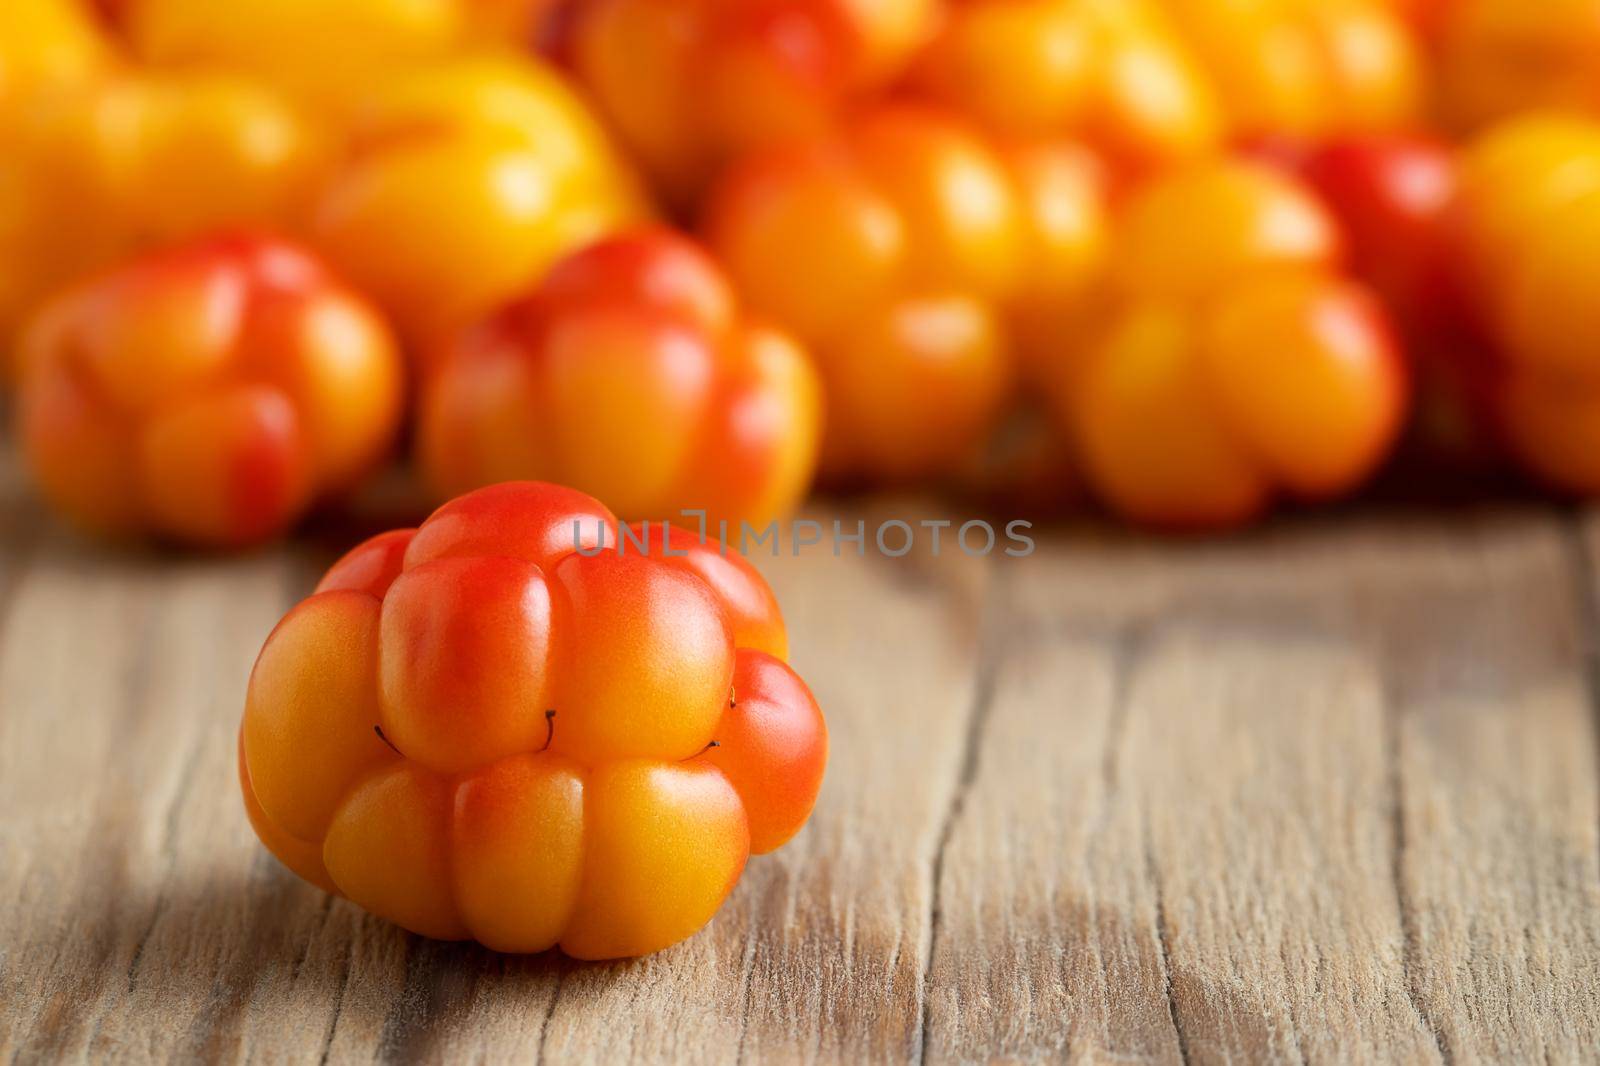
point(137, 686)
point(304, 954)
point(746, 969)
point(994, 611)
point(1163, 944)
point(1587, 576)
point(1411, 935)
point(550, 1012)
point(1128, 648)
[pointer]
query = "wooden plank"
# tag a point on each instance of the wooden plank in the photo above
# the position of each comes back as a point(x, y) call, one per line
point(1321, 795)
point(139, 918)
point(144, 920)
point(1497, 838)
point(123, 861)
point(1047, 936)
point(1325, 793)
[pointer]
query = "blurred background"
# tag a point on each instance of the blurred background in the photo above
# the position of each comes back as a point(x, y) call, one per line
point(1179, 261)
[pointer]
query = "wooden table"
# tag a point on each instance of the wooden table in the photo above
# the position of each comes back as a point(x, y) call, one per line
point(1325, 792)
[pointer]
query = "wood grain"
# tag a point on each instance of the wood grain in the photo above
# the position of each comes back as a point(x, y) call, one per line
point(1325, 793)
